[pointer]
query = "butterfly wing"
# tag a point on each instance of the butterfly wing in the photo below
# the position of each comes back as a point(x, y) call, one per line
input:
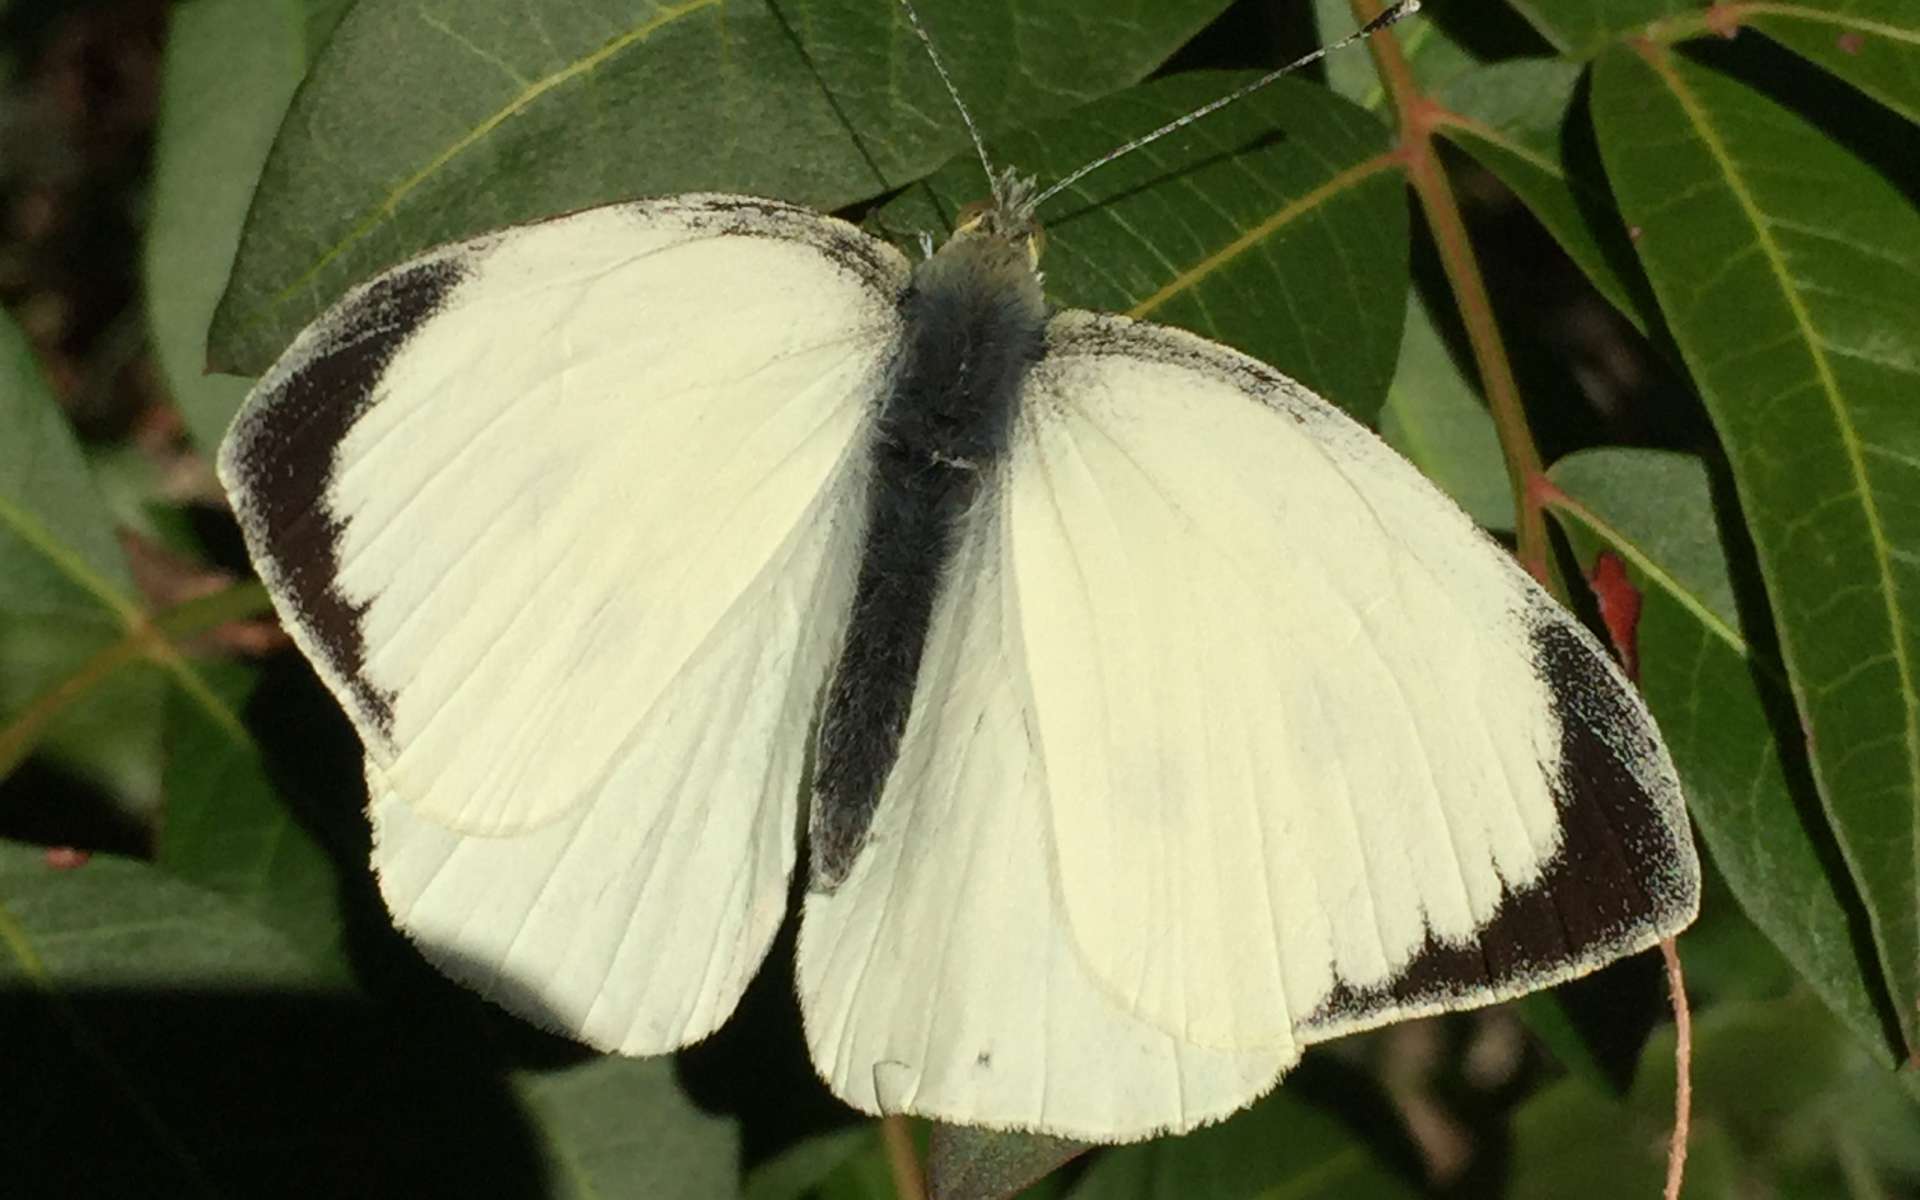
point(940, 978)
point(566, 518)
point(1318, 754)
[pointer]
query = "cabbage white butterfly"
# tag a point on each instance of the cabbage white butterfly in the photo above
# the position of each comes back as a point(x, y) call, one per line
point(1153, 719)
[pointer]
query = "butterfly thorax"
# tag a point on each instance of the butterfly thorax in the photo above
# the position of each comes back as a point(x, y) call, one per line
point(975, 321)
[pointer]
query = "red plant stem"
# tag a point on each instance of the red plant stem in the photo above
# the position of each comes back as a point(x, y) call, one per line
point(1428, 179)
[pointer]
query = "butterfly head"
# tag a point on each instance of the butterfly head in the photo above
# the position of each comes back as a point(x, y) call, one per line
point(995, 248)
point(1008, 217)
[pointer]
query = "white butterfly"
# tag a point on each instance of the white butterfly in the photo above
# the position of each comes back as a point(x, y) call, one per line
point(1162, 720)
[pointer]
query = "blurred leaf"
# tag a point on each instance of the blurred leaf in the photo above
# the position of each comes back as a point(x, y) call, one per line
point(114, 924)
point(160, 1042)
point(66, 596)
point(230, 68)
point(72, 688)
point(1436, 418)
point(863, 1175)
point(1872, 44)
point(118, 923)
point(228, 829)
point(1715, 701)
point(800, 1168)
point(1510, 117)
point(1281, 246)
point(1434, 57)
point(612, 1126)
point(1280, 1149)
point(323, 17)
point(822, 102)
point(56, 539)
point(982, 1164)
point(1583, 28)
point(1789, 275)
point(1756, 1066)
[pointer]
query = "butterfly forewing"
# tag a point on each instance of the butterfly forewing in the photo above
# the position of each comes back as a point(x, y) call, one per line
point(575, 554)
point(1312, 742)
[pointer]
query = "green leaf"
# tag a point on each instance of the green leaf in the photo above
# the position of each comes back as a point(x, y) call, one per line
point(1716, 702)
point(1789, 275)
point(1436, 418)
point(170, 1045)
point(74, 689)
point(1435, 57)
point(1281, 246)
point(229, 70)
point(229, 830)
point(613, 1126)
point(1757, 1066)
point(115, 923)
point(56, 539)
point(1583, 28)
point(116, 926)
point(421, 125)
point(795, 1172)
point(66, 597)
point(1280, 1149)
point(1511, 118)
point(1872, 44)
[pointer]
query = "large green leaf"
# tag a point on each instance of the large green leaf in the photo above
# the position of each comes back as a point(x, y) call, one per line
point(1279, 246)
point(229, 70)
point(1772, 1080)
point(1716, 700)
point(66, 596)
point(612, 1126)
point(112, 928)
point(177, 1046)
point(1788, 272)
point(1434, 57)
point(114, 923)
point(229, 830)
point(1511, 118)
point(1583, 28)
point(1436, 418)
point(56, 538)
point(1280, 1149)
point(1872, 44)
point(797, 1171)
point(425, 123)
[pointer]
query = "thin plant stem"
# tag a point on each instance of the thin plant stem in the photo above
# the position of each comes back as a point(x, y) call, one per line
point(903, 1160)
point(1682, 1070)
point(1428, 179)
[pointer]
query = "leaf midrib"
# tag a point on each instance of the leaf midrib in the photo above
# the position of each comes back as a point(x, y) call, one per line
point(388, 204)
point(1285, 215)
point(1829, 386)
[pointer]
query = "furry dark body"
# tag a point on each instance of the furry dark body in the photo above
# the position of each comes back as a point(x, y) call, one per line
point(975, 324)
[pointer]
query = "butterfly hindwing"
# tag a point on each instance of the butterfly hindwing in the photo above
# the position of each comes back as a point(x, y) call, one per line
point(566, 516)
point(940, 978)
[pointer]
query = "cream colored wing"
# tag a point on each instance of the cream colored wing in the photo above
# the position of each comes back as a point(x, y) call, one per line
point(1317, 753)
point(941, 978)
point(566, 517)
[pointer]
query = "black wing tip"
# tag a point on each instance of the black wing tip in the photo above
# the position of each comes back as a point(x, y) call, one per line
point(1624, 876)
point(278, 460)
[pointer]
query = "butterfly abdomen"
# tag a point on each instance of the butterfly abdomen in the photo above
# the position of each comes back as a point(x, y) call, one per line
point(974, 324)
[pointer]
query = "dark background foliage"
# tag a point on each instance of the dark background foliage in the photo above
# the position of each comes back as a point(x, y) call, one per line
point(1656, 259)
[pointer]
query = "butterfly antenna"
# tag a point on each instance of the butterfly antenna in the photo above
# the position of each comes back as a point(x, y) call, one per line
point(1405, 8)
point(973, 131)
